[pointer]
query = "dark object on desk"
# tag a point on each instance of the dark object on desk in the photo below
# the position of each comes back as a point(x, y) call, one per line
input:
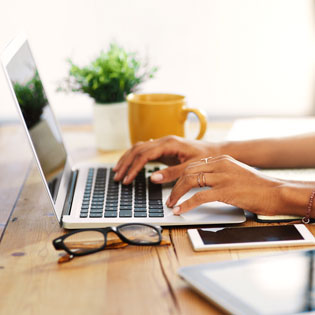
point(275, 284)
point(247, 237)
point(278, 218)
point(88, 241)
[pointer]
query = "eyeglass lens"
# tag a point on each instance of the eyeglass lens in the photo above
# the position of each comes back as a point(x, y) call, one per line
point(84, 241)
point(139, 233)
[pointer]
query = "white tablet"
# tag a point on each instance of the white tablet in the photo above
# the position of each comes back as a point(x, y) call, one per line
point(245, 237)
point(275, 284)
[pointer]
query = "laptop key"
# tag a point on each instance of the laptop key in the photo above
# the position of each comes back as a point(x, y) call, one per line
point(110, 208)
point(98, 193)
point(110, 214)
point(96, 215)
point(111, 204)
point(126, 207)
point(140, 208)
point(97, 201)
point(83, 215)
point(156, 211)
point(155, 206)
point(97, 209)
point(155, 202)
point(112, 197)
point(97, 206)
point(126, 198)
point(125, 203)
point(141, 203)
point(156, 215)
point(125, 214)
point(140, 215)
point(96, 212)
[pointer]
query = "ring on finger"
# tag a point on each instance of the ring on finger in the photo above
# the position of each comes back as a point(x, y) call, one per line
point(201, 179)
point(206, 159)
point(198, 180)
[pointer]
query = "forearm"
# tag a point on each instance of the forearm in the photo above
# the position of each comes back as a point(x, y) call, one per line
point(291, 152)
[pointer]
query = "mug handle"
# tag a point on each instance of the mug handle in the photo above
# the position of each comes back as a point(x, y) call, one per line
point(202, 120)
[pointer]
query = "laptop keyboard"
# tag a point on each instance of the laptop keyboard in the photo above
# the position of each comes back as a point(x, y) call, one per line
point(103, 197)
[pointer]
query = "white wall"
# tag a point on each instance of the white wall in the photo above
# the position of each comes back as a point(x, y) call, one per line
point(230, 57)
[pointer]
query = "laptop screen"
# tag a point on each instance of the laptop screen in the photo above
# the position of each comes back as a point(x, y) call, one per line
point(37, 114)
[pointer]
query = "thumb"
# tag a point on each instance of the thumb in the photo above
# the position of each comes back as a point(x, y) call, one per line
point(168, 174)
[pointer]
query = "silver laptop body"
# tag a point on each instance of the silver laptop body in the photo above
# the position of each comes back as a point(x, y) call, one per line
point(71, 188)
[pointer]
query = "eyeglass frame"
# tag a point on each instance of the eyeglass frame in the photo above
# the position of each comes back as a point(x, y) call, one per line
point(59, 241)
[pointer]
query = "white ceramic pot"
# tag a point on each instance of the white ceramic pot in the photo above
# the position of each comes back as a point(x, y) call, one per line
point(111, 126)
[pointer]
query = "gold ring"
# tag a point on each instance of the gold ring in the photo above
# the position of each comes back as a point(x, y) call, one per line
point(151, 140)
point(198, 179)
point(201, 179)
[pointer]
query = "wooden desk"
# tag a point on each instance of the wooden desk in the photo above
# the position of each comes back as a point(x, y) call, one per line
point(133, 280)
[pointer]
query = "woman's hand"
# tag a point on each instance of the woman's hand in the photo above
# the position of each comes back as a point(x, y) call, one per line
point(229, 181)
point(171, 150)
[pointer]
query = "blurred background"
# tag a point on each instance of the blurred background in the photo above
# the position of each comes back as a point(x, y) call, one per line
point(233, 58)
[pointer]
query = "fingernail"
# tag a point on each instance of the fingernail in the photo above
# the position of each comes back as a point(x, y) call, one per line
point(176, 210)
point(167, 201)
point(157, 177)
point(125, 180)
point(116, 176)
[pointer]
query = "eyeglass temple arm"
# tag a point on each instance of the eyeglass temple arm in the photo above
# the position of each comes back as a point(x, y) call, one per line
point(85, 245)
point(110, 243)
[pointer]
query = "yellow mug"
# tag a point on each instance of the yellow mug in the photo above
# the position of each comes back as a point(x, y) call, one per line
point(153, 116)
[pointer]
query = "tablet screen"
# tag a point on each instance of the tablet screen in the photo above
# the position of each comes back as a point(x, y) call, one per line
point(279, 284)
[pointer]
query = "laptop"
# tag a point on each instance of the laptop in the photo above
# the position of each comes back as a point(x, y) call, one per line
point(85, 195)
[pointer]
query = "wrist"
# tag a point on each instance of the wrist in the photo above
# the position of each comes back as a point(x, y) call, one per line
point(295, 200)
point(231, 148)
point(258, 153)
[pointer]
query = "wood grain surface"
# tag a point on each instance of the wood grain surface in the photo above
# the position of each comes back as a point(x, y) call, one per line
point(15, 157)
point(132, 280)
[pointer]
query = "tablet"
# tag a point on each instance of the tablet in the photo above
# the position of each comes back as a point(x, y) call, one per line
point(275, 284)
point(246, 237)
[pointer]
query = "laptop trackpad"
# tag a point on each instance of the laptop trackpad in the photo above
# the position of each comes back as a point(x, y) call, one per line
point(210, 212)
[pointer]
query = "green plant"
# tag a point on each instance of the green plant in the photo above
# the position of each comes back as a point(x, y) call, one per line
point(110, 77)
point(31, 98)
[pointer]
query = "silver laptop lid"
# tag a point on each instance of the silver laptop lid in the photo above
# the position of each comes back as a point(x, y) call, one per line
point(37, 118)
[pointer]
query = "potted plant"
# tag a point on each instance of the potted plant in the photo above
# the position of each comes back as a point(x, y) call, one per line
point(108, 79)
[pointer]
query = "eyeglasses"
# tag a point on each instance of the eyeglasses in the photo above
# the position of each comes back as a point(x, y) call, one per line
point(89, 241)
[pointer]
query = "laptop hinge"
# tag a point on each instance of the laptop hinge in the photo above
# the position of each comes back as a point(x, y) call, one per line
point(70, 193)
